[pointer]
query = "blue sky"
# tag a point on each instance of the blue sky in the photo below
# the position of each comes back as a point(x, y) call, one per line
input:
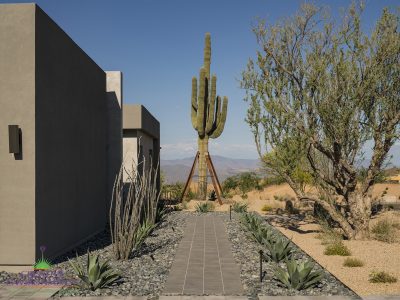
point(158, 45)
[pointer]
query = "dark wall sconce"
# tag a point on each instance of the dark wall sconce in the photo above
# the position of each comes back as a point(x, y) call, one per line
point(14, 139)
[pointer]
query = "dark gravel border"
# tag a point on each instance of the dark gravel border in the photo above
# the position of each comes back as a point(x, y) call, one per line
point(246, 252)
point(145, 273)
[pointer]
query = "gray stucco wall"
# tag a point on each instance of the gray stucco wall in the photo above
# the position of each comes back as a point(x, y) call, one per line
point(17, 107)
point(71, 137)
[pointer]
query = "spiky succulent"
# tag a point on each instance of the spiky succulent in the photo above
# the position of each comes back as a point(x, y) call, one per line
point(298, 275)
point(251, 221)
point(142, 233)
point(279, 249)
point(204, 207)
point(263, 235)
point(240, 207)
point(95, 275)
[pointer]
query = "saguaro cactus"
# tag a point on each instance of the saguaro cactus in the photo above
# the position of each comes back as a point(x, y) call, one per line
point(208, 118)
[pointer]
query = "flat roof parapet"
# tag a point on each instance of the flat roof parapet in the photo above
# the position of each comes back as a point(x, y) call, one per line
point(137, 117)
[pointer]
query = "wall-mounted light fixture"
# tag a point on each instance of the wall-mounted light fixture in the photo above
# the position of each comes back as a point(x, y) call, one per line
point(14, 139)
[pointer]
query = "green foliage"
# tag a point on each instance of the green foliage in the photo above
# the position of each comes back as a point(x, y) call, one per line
point(142, 233)
point(161, 211)
point(337, 248)
point(385, 231)
point(297, 275)
point(381, 277)
point(263, 235)
point(251, 221)
point(312, 109)
point(353, 262)
point(380, 177)
point(240, 207)
point(279, 249)
point(95, 275)
point(245, 182)
point(273, 180)
point(205, 207)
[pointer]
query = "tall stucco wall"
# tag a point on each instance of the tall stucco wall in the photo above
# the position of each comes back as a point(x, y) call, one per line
point(114, 128)
point(71, 133)
point(17, 107)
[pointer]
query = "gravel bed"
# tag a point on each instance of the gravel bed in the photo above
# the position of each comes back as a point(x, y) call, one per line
point(246, 252)
point(144, 273)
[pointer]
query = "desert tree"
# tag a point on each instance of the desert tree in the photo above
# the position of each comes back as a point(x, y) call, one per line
point(318, 91)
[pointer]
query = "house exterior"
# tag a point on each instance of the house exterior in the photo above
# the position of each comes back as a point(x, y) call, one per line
point(60, 138)
point(141, 139)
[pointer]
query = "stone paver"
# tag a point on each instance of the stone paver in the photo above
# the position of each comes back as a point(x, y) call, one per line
point(204, 264)
point(305, 298)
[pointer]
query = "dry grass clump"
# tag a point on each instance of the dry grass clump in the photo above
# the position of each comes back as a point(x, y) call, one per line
point(266, 208)
point(353, 262)
point(337, 248)
point(385, 231)
point(381, 277)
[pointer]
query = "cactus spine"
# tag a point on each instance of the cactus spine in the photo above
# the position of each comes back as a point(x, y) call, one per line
point(208, 113)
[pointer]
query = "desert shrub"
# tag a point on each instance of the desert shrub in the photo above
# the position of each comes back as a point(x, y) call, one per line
point(289, 207)
point(381, 277)
point(245, 182)
point(384, 231)
point(337, 249)
point(205, 207)
point(239, 207)
point(266, 208)
point(212, 196)
point(353, 262)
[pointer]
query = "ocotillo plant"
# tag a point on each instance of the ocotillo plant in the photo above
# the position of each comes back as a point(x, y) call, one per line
point(208, 118)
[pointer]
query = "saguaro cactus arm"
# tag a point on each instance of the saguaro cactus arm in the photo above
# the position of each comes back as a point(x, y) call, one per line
point(194, 103)
point(207, 54)
point(211, 106)
point(221, 122)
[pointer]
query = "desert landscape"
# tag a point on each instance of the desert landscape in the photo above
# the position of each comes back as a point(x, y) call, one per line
point(304, 232)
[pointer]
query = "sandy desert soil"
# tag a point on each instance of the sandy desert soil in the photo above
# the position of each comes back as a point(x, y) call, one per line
point(376, 255)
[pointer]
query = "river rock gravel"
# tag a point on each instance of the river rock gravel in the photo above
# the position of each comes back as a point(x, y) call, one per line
point(246, 252)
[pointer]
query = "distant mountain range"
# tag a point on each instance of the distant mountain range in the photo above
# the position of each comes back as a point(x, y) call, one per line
point(177, 170)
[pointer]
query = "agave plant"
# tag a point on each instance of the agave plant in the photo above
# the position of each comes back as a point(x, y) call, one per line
point(251, 221)
point(297, 275)
point(240, 207)
point(204, 207)
point(142, 233)
point(279, 249)
point(263, 235)
point(96, 275)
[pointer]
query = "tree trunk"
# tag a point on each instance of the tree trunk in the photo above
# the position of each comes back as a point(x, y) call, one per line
point(203, 149)
point(360, 210)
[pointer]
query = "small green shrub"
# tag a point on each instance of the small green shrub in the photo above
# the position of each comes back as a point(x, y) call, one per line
point(244, 196)
point(94, 275)
point(353, 262)
point(205, 207)
point(337, 249)
point(298, 276)
point(266, 208)
point(240, 207)
point(384, 231)
point(381, 277)
point(276, 198)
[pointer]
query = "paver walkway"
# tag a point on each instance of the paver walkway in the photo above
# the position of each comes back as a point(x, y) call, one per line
point(204, 264)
